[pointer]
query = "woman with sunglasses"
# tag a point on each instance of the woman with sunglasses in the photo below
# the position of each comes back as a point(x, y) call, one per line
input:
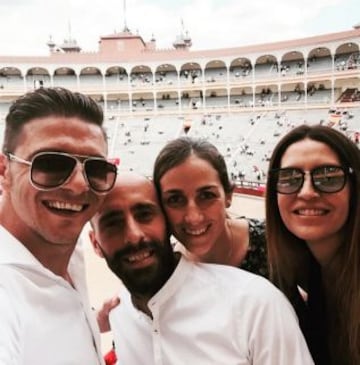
point(194, 188)
point(313, 233)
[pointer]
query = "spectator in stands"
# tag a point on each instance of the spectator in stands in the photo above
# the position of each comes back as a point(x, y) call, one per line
point(193, 184)
point(54, 176)
point(313, 233)
point(176, 311)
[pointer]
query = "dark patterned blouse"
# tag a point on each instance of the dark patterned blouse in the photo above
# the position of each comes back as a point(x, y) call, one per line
point(256, 259)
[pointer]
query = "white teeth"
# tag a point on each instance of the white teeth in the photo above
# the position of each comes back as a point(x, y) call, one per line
point(195, 232)
point(139, 256)
point(311, 212)
point(65, 206)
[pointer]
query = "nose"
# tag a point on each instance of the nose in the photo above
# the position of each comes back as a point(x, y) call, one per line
point(307, 191)
point(77, 182)
point(134, 233)
point(193, 214)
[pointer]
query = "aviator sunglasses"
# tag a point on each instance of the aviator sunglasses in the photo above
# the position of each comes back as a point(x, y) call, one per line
point(50, 170)
point(325, 179)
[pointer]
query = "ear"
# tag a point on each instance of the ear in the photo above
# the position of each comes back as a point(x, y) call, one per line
point(95, 243)
point(228, 199)
point(3, 163)
point(5, 179)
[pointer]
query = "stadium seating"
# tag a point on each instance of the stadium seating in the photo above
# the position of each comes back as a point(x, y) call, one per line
point(241, 99)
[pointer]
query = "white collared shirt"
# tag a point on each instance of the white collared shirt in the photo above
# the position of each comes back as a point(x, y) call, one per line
point(210, 315)
point(43, 319)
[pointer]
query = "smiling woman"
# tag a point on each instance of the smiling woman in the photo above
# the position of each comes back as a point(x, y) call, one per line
point(193, 184)
point(313, 231)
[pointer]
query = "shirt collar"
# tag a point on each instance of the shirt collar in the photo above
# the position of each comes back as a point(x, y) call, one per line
point(176, 280)
point(14, 252)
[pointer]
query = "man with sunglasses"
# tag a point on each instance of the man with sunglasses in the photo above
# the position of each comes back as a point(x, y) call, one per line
point(175, 311)
point(54, 178)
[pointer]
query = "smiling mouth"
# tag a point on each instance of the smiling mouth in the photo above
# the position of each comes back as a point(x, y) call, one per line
point(139, 256)
point(196, 232)
point(65, 207)
point(311, 212)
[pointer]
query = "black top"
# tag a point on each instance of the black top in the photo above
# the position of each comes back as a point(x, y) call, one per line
point(256, 258)
point(312, 316)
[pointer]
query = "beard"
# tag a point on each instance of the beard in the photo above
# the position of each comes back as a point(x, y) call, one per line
point(148, 280)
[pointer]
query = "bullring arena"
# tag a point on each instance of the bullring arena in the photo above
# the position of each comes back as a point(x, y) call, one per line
point(242, 99)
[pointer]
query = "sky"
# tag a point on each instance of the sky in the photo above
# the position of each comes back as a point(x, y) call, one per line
point(26, 25)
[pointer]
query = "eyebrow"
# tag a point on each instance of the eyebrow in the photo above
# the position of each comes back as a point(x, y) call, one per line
point(171, 191)
point(110, 215)
point(206, 187)
point(145, 205)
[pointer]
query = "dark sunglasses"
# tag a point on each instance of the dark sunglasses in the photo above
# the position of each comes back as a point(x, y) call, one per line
point(325, 179)
point(50, 170)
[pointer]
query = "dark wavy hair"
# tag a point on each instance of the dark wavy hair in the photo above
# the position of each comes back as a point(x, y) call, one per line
point(44, 102)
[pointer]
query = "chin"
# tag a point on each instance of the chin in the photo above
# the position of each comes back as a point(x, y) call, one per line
point(201, 253)
point(57, 240)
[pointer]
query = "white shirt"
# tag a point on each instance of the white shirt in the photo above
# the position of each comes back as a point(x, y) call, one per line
point(210, 315)
point(43, 319)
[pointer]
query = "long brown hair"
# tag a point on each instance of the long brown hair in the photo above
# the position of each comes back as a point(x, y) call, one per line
point(289, 256)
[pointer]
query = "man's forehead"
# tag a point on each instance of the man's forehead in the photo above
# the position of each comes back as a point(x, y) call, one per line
point(127, 207)
point(61, 134)
point(129, 200)
point(137, 191)
point(127, 179)
point(130, 194)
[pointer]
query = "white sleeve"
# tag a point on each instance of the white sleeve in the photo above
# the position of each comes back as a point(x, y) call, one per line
point(9, 331)
point(269, 327)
